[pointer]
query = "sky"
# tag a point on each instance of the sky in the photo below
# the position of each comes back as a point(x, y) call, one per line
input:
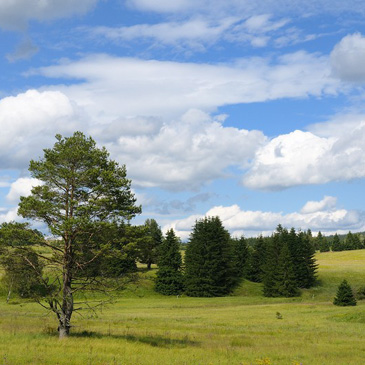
point(252, 111)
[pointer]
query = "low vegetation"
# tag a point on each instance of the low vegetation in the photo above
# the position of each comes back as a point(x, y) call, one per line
point(144, 327)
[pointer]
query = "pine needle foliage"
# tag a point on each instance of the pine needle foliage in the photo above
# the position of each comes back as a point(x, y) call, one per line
point(169, 277)
point(208, 260)
point(345, 296)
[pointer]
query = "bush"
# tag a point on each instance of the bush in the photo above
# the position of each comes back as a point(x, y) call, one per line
point(345, 296)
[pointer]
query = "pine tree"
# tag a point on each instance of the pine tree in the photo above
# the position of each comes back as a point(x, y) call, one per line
point(169, 278)
point(256, 261)
point(208, 260)
point(308, 274)
point(271, 275)
point(345, 296)
point(286, 284)
point(240, 257)
point(336, 243)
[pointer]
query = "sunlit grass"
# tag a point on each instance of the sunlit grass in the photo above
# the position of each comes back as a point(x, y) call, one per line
point(142, 327)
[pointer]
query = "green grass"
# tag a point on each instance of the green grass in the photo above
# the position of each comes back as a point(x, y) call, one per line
point(142, 327)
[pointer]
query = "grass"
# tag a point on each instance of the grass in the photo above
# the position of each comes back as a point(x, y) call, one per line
point(142, 327)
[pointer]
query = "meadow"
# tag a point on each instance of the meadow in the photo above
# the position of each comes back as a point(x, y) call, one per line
point(142, 327)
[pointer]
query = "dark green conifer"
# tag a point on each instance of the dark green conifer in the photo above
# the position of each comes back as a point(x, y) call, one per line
point(345, 296)
point(286, 284)
point(240, 257)
point(271, 275)
point(256, 261)
point(336, 243)
point(169, 278)
point(208, 260)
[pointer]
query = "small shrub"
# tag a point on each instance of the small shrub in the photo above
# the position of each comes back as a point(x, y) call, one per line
point(345, 296)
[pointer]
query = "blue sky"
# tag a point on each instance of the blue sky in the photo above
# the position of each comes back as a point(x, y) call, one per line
point(253, 112)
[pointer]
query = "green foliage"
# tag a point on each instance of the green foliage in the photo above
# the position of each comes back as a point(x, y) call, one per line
point(345, 296)
point(241, 255)
point(256, 260)
point(336, 243)
point(23, 273)
point(289, 263)
point(148, 247)
point(169, 277)
point(208, 260)
point(83, 194)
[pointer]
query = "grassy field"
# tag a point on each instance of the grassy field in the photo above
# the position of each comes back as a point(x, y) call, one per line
point(142, 327)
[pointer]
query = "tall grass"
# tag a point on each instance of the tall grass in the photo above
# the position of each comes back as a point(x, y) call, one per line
point(142, 327)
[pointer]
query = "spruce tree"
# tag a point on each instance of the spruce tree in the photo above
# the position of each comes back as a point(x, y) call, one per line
point(240, 257)
point(336, 243)
point(286, 284)
point(208, 260)
point(256, 261)
point(169, 278)
point(345, 296)
point(271, 267)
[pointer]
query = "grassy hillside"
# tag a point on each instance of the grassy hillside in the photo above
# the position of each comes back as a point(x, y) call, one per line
point(142, 327)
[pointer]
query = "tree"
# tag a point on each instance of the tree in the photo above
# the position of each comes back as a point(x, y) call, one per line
point(23, 270)
point(148, 247)
point(240, 257)
point(345, 296)
point(286, 284)
point(208, 260)
point(169, 277)
point(256, 260)
point(336, 243)
point(83, 194)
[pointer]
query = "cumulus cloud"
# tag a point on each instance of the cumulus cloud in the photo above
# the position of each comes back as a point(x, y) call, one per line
point(327, 203)
point(301, 157)
point(254, 223)
point(348, 58)
point(108, 87)
point(8, 215)
point(21, 187)
point(186, 153)
point(29, 122)
point(14, 14)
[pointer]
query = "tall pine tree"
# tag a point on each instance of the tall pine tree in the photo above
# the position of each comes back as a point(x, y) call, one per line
point(208, 260)
point(169, 278)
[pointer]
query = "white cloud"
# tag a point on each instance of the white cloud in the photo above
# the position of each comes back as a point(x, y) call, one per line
point(218, 7)
point(301, 158)
point(8, 215)
point(198, 32)
point(112, 87)
point(21, 187)
point(327, 203)
point(348, 58)
point(193, 32)
point(253, 223)
point(14, 14)
point(29, 122)
point(184, 154)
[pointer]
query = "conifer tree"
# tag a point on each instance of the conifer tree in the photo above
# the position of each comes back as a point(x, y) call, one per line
point(256, 261)
point(208, 260)
point(308, 268)
point(286, 284)
point(169, 278)
point(240, 257)
point(271, 267)
point(345, 296)
point(336, 243)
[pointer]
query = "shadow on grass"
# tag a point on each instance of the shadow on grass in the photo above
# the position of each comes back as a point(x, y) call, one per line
point(152, 340)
